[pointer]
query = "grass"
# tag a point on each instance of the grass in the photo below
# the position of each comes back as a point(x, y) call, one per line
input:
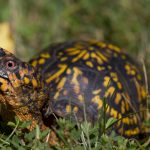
point(71, 135)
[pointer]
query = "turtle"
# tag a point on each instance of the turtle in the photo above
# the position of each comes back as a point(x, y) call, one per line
point(75, 79)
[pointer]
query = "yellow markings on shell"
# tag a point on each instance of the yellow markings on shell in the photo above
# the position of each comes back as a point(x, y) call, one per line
point(115, 48)
point(63, 58)
point(106, 81)
point(68, 108)
point(127, 67)
point(71, 49)
point(113, 113)
point(119, 85)
point(81, 98)
point(117, 98)
point(26, 80)
point(81, 54)
point(41, 61)
point(86, 56)
point(138, 88)
point(96, 99)
point(130, 132)
point(126, 120)
point(133, 72)
point(127, 106)
point(74, 52)
point(89, 63)
point(130, 70)
point(126, 97)
point(100, 68)
point(109, 67)
point(131, 121)
point(95, 92)
point(135, 119)
point(127, 132)
point(136, 131)
point(110, 91)
point(108, 109)
point(79, 46)
point(118, 123)
point(114, 76)
point(34, 63)
point(76, 73)
point(139, 77)
point(123, 56)
point(45, 55)
point(76, 88)
point(98, 59)
point(101, 44)
point(74, 80)
point(91, 48)
point(144, 94)
point(122, 107)
point(34, 83)
point(75, 109)
point(103, 58)
point(68, 71)
point(61, 83)
point(115, 55)
point(119, 115)
point(93, 41)
point(56, 95)
point(60, 53)
point(58, 73)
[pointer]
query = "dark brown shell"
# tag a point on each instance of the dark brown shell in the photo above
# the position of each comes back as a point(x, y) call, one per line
point(81, 75)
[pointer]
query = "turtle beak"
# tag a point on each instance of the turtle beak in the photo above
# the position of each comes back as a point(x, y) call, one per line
point(3, 74)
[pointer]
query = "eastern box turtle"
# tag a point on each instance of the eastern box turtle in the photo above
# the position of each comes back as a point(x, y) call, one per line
point(74, 78)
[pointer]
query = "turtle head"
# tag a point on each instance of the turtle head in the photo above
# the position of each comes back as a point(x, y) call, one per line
point(21, 89)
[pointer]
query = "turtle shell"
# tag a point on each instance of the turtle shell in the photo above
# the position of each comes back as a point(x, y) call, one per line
point(83, 77)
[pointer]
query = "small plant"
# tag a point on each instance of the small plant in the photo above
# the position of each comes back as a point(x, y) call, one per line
point(71, 136)
point(20, 138)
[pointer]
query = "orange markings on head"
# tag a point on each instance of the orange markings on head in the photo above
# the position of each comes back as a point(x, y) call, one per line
point(17, 83)
point(13, 78)
point(4, 84)
point(22, 72)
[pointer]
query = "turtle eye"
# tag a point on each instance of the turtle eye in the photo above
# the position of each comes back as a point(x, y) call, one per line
point(11, 64)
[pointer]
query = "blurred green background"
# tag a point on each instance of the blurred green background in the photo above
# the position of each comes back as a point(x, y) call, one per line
point(37, 23)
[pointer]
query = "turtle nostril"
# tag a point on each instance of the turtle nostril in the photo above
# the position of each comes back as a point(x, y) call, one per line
point(2, 53)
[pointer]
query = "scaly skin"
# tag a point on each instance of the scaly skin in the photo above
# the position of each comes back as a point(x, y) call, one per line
point(68, 76)
point(20, 90)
